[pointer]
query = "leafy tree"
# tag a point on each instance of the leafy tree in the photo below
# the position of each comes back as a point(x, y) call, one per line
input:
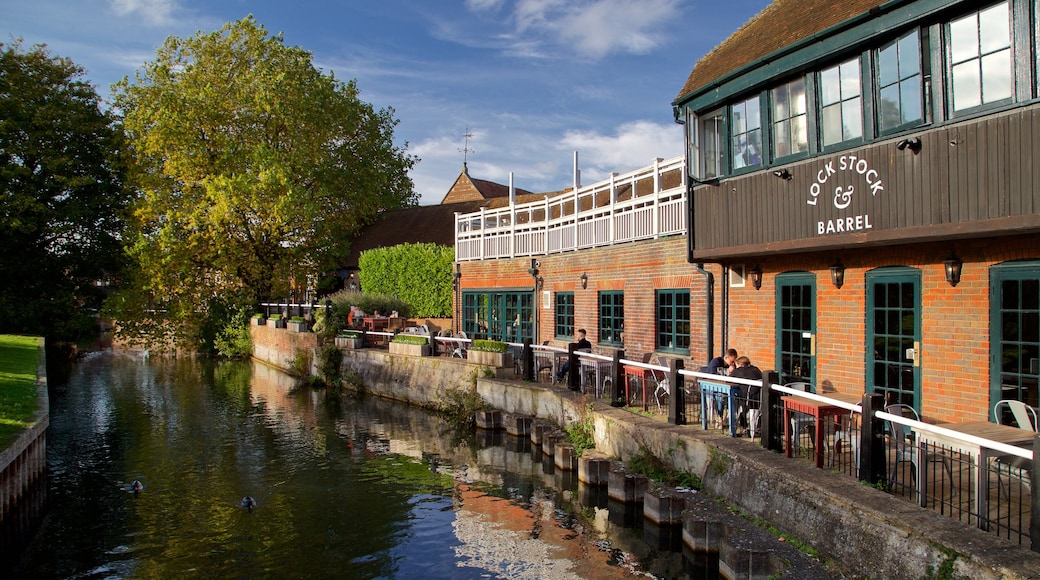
point(419, 274)
point(255, 171)
point(62, 192)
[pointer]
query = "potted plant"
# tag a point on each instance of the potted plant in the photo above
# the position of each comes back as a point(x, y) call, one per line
point(298, 324)
point(493, 353)
point(410, 344)
point(259, 319)
point(278, 321)
point(349, 339)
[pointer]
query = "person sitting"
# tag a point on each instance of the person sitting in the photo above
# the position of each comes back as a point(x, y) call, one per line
point(752, 394)
point(581, 344)
point(356, 317)
point(722, 365)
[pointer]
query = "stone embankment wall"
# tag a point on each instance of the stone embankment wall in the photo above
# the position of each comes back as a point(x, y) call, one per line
point(865, 531)
point(24, 463)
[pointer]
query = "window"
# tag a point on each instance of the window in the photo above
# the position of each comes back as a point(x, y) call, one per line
point(746, 131)
point(704, 135)
point(612, 318)
point(980, 58)
point(841, 103)
point(796, 327)
point(673, 320)
point(1015, 332)
point(790, 128)
point(899, 83)
point(564, 314)
point(504, 316)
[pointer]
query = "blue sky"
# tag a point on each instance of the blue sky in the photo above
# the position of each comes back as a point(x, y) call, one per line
point(532, 80)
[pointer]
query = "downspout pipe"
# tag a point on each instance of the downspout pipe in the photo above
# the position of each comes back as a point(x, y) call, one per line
point(709, 310)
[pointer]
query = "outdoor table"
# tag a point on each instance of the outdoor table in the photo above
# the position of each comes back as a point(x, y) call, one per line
point(598, 369)
point(982, 454)
point(639, 372)
point(709, 392)
point(376, 323)
point(552, 357)
point(819, 410)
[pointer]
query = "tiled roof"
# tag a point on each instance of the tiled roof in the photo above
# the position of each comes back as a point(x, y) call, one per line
point(490, 189)
point(423, 224)
point(780, 24)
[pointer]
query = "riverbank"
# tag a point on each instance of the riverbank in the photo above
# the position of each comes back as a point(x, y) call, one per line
point(861, 530)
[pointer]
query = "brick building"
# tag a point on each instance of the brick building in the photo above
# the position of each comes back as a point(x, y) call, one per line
point(862, 206)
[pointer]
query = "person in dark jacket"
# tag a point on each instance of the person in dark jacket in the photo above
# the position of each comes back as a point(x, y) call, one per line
point(751, 393)
point(581, 344)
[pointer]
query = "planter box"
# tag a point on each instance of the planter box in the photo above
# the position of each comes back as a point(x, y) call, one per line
point(491, 359)
point(278, 323)
point(259, 321)
point(343, 342)
point(410, 349)
point(297, 326)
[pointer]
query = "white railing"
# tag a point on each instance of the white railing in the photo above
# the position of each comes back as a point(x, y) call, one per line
point(625, 208)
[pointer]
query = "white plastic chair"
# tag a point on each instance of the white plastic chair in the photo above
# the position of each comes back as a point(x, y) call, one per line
point(1024, 415)
point(800, 421)
point(663, 388)
point(906, 449)
point(1025, 418)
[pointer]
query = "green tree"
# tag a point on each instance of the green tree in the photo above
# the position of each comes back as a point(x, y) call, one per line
point(62, 192)
point(255, 172)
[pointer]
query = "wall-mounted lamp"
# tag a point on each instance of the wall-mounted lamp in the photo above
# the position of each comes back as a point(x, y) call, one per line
point(456, 277)
point(953, 267)
point(838, 274)
point(540, 282)
point(912, 143)
point(584, 280)
point(783, 174)
point(756, 277)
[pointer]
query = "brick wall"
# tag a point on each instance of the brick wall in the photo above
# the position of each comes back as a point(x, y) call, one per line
point(954, 353)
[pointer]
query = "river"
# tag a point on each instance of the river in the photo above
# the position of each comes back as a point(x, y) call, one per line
point(345, 487)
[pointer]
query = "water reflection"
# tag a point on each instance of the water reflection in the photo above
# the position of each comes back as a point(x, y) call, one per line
point(344, 487)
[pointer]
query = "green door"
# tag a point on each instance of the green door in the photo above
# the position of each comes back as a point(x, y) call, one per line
point(893, 333)
point(796, 327)
point(1015, 332)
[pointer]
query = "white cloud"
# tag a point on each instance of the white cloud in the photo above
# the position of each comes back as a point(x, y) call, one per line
point(596, 28)
point(153, 12)
point(634, 145)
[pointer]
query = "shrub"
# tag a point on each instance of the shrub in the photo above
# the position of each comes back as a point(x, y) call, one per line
point(329, 360)
point(489, 345)
point(234, 340)
point(349, 334)
point(411, 339)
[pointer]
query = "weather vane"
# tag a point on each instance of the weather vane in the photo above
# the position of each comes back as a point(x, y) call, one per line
point(466, 150)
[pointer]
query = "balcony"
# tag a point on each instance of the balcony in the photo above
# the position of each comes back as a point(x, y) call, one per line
point(644, 204)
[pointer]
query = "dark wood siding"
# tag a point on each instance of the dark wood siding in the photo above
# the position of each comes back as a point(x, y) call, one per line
point(977, 178)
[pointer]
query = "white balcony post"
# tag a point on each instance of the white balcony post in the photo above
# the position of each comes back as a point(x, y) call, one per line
point(657, 198)
point(512, 217)
point(483, 230)
point(577, 184)
point(613, 201)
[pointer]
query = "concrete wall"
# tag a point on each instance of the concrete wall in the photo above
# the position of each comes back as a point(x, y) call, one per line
point(866, 532)
point(25, 462)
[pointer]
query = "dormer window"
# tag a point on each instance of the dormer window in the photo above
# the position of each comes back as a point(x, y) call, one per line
point(746, 134)
point(841, 103)
point(980, 58)
point(899, 84)
point(790, 119)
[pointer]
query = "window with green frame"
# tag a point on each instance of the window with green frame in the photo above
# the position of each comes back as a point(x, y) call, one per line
point(612, 317)
point(1015, 328)
point(673, 320)
point(981, 64)
point(898, 74)
point(841, 103)
point(746, 134)
point(564, 327)
point(790, 119)
point(507, 316)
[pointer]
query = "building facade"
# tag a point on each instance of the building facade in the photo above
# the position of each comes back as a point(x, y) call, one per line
point(863, 213)
point(875, 162)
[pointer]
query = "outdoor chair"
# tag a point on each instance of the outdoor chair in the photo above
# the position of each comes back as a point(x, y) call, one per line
point(459, 348)
point(1024, 417)
point(662, 388)
point(906, 450)
point(801, 422)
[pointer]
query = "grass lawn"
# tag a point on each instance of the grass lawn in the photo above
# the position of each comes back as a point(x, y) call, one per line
point(18, 358)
